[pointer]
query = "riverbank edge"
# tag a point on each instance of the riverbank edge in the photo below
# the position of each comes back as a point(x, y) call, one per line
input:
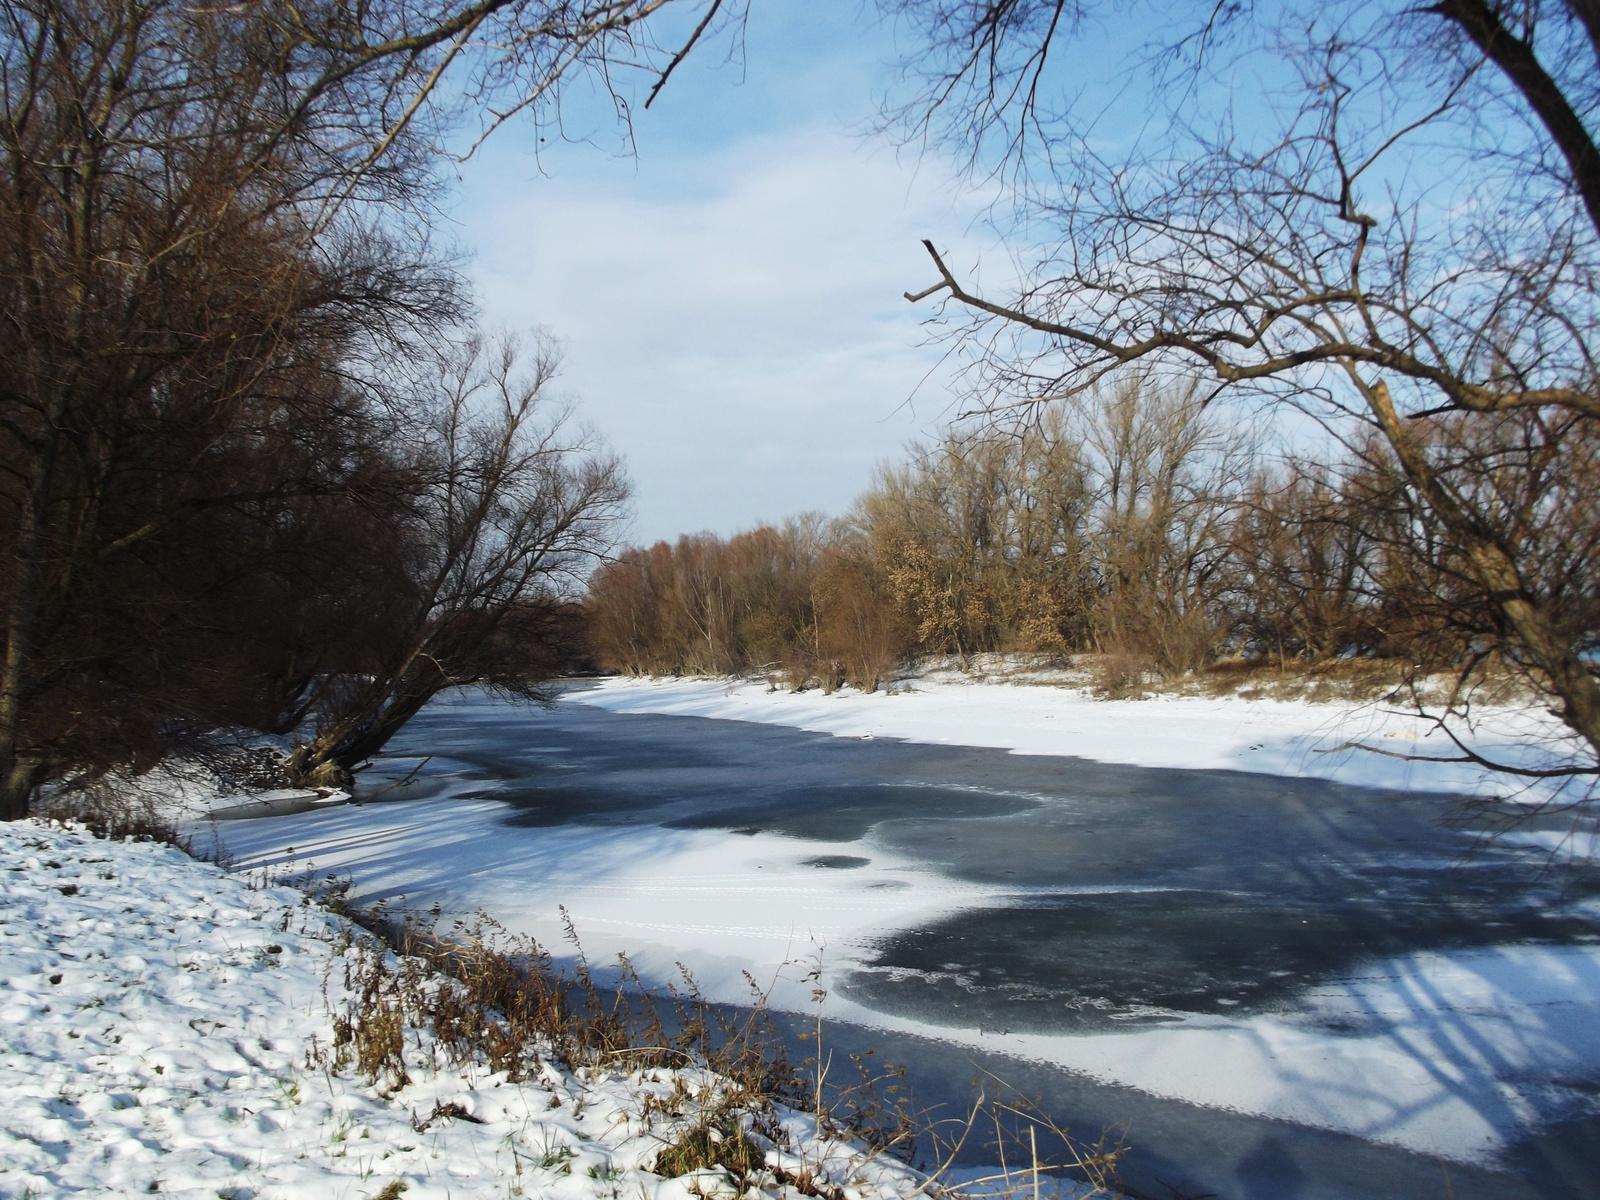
point(214, 1043)
point(1369, 743)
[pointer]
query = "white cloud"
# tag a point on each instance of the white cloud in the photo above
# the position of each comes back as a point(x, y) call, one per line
point(734, 319)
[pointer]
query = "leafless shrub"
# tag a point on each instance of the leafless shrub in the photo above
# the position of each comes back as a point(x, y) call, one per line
point(1121, 674)
point(798, 670)
point(113, 806)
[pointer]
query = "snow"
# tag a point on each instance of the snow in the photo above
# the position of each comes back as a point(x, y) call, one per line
point(723, 902)
point(1453, 1054)
point(156, 1018)
point(1276, 737)
point(1457, 1054)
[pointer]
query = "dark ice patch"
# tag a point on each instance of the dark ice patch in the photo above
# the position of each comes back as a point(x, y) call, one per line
point(835, 862)
point(1071, 963)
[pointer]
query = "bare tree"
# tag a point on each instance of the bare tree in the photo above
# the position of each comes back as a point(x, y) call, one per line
point(705, 605)
point(1399, 232)
point(1304, 560)
point(201, 209)
point(1168, 476)
point(511, 509)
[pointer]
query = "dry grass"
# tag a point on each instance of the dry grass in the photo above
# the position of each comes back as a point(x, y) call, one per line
point(112, 808)
point(1122, 674)
point(1397, 681)
point(1129, 675)
point(718, 1142)
point(1026, 1145)
point(1308, 679)
point(497, 999)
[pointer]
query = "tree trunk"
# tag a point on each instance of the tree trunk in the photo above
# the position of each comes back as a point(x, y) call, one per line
point(20, 772)
point(328, 759)
point(1567, 677)
point(20, 776)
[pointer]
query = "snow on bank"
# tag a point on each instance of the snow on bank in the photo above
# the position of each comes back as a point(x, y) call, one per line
point(1275, 737)
point(725, 903)
point(155, 1018)
point(1457, 1054)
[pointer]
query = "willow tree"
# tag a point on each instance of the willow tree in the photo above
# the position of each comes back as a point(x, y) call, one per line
point(213, 232)
point(508, 508)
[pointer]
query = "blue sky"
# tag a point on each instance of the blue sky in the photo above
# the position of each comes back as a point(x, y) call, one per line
point(730, 296)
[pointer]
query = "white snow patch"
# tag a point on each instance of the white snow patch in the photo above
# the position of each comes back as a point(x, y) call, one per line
point(726, 903)
point(1274, 737)
point(155, 1016)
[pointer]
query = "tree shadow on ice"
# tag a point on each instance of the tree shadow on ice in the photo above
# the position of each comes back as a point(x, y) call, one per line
point(1463, 972)
point(439, 850)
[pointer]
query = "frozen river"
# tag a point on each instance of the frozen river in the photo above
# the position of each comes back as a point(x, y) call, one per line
point(1282, 987)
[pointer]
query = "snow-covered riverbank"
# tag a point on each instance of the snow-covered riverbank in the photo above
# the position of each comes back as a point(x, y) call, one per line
point(1275, 737)
point(1455, 1051)
point(1458, 1052)
point(159, 1028)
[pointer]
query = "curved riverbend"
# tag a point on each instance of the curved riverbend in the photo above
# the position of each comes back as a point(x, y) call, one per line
point(1288, 987)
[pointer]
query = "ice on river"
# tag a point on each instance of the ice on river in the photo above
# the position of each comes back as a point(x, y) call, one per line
point(1277, 737)
point(1457, 1054)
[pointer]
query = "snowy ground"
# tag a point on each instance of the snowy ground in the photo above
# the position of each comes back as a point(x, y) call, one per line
point(1456, 1054)
point(155, 1021)
point(1294, 737)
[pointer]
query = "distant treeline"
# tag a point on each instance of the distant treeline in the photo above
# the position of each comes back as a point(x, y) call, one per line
point(1141, 527)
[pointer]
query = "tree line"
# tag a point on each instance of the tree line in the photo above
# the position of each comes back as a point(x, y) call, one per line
point(1393, 227)
point(1142, 526)
point(258, 469)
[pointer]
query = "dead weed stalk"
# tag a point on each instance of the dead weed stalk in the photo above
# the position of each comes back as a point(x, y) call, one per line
point(497, 999)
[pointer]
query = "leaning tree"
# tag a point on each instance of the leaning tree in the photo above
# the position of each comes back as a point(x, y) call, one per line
point(1385, 214)
point(508, 508)
point(213, 239)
